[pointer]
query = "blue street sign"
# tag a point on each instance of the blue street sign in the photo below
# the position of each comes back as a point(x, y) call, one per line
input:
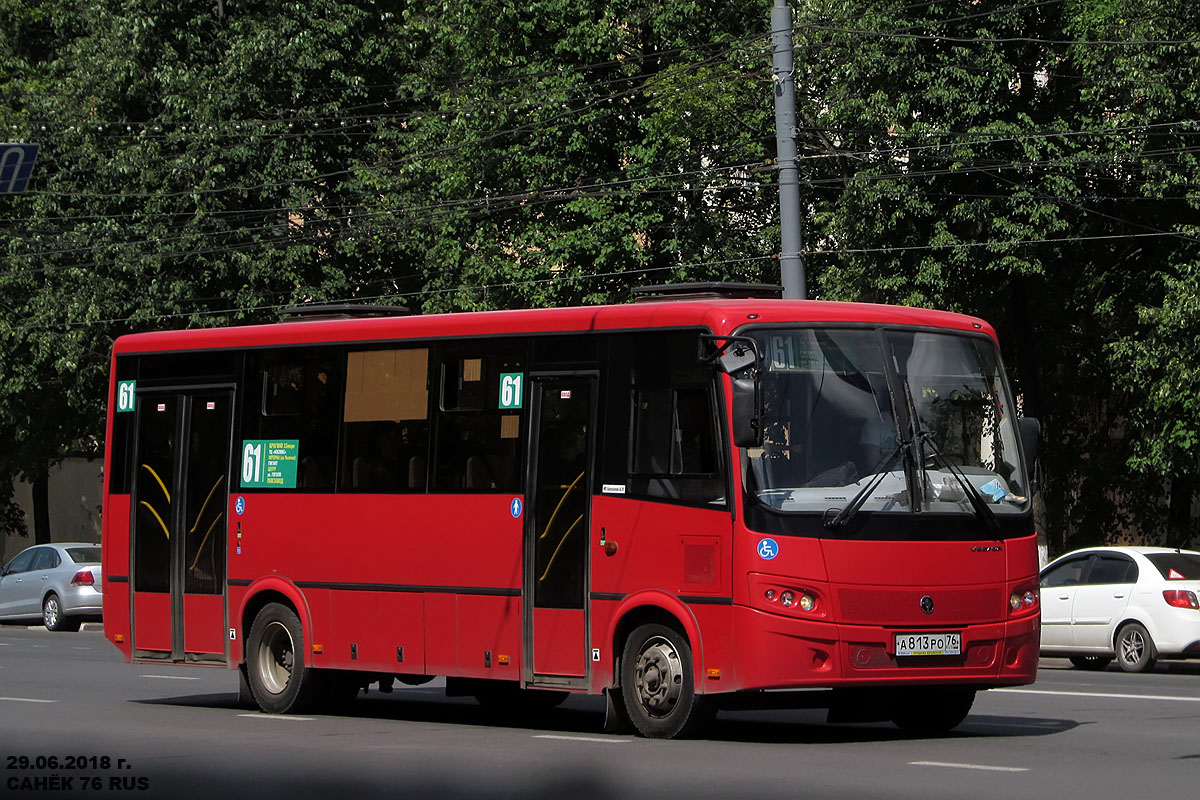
point(16, 165)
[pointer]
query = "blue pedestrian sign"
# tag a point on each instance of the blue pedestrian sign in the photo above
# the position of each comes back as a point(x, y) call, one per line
point(16, 166)
point(515, 508)
point(768, 549)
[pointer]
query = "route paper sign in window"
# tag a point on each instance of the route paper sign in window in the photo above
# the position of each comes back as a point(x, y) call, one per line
point(270, 464)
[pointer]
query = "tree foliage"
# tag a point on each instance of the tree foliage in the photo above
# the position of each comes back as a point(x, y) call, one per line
point(213, 163)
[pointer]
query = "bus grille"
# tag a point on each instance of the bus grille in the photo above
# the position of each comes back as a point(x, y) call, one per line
point(903, 606)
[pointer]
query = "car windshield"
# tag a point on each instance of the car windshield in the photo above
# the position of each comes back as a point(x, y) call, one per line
point(84, 555)
point(1176, 566)
point(837, 419)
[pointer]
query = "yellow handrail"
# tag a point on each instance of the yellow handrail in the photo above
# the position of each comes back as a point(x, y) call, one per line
point(554, 555)
point(204, 541)
point(157, 517)
point(161, 485)
point(203, 506)
point(558, 508)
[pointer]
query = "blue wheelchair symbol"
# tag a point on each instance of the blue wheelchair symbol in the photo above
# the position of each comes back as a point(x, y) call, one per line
point(240, 506)
point(515, 508)
point(768, 549)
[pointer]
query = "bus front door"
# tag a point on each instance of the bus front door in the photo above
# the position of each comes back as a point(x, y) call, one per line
point(180, 504)
point(557, 528)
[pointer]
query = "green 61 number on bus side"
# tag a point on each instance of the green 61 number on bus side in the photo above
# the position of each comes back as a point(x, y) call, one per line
point(511, 389)
point(126, 394)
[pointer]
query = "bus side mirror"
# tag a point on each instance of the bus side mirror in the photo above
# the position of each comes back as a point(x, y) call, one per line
point(747, 416)
point(1031, 441)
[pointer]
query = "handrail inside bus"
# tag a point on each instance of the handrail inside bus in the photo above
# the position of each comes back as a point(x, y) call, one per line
point(563, 499)
point(204, 505)
point(150, 508)
point(204, 541)
point(561, 542)
point(161, 485)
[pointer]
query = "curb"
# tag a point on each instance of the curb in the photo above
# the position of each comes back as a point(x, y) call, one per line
point(87, 626)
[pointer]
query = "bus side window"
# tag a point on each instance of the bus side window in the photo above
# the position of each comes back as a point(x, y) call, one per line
point(300, 390)
point(674, 431)
point(674, 445)
point(478, 442)
point(385, 429)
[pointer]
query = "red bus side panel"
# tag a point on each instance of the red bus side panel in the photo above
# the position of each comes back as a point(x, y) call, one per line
point(152, 621)
point(557, 648)
point(490, 625)
point(203, 623)
point(115, 547)
point(401, 620)
point(441, 634)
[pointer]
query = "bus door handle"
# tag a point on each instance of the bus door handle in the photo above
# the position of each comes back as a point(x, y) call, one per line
point(610, 547)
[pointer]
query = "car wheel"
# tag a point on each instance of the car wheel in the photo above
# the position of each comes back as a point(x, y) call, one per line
point(1090, 662)
point(279, 679)
point(1135, 649)
point(657, 686)
point(931, 711)
point(53, 617)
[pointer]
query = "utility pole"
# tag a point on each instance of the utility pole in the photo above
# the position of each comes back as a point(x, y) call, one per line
point(791, 262)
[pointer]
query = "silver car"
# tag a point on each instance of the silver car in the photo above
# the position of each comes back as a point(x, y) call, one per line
point(59, 583)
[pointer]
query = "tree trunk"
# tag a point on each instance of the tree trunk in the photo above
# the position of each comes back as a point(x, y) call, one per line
point(41, 508)
point(1179, 513)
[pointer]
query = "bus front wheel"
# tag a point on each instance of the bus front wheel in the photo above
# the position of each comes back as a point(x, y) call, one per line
point(279, 679)
point(657, 684)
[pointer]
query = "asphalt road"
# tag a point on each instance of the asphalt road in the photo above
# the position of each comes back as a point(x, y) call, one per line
point(72, 711)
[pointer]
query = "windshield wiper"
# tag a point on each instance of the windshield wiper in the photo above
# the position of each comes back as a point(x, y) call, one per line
point(851, 508)
point(982, 511)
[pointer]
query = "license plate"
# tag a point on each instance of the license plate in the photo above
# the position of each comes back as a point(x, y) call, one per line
point(928, 644)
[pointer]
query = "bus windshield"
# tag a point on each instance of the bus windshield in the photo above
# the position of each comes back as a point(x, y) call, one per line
point(902, 420)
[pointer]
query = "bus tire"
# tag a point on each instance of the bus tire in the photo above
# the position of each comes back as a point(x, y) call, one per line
point(657, 684)
point(279, 679)
point(931, 711)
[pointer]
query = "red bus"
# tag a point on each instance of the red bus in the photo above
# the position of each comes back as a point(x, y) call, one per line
point(683, 504)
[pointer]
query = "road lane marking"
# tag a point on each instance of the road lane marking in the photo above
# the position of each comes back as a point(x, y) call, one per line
point(26, 700)
point(952, 765)
point(580, 738)
point(1108, 695)
point(278, 716)
point(173, 677)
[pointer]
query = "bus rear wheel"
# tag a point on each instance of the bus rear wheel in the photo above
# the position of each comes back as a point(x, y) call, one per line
point(931, 711)
point(657, 684)
point(279, 679)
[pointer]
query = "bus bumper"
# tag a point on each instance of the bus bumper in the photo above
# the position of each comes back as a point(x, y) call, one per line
point(776, 652)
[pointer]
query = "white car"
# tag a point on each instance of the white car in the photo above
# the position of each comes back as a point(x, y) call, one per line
point(1135, 604)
